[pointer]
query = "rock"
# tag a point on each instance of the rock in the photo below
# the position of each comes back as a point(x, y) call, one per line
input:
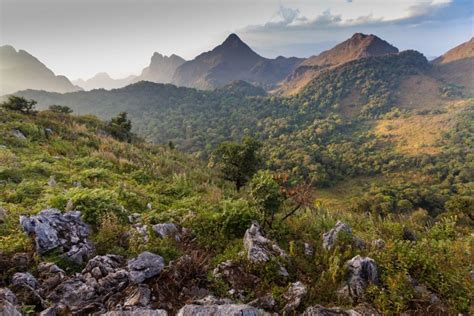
point(8, 309)
point(330, 238)
point(378, 244)
point(319, 310)
point(166, 230)
point(48, 132)
point(259, 248)
point(308, 250)
point(3, 215)
point(471, 275)
point(266, 302)
point(134, 218)
point(145, 266)
point(7, 295)
point(24, 278)
point(50, 276)
point(408, 234)
point(77, 295)
point(25, 287)
point(296, 292)
point(142, 231)
point(18, 134)
point(105, 274)
point(52, 182)
point(362, 272)
point(138, 312)
point(212, 300)
point(219, 310)
point(234, 275)
point(64, 232)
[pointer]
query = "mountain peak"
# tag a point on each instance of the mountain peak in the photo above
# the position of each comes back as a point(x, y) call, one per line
point(360, 45)
point(233, 41)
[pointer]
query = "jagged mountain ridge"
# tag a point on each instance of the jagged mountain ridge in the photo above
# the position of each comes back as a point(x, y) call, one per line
point(20, 70)
point(161, 68)
point(230, 61)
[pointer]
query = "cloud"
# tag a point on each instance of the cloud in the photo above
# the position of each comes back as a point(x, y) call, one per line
point(424, 12)
point(449, 20)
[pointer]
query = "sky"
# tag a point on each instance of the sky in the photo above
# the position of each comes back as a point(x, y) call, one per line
point(79, 38)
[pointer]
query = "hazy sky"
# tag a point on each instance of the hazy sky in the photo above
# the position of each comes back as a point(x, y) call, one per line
point(79, 38)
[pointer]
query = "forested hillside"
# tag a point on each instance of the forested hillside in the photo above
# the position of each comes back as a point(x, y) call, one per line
point(139, 197)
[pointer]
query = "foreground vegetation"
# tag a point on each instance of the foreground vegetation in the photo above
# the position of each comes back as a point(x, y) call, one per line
point(55, 159)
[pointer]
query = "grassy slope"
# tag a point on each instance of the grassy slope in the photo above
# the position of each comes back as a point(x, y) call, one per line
point(180, 189)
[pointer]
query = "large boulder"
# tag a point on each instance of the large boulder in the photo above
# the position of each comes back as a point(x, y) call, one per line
point(293, 296)
point(64, 232)
point(166, 230)
point(363, 271)
point(144, 266)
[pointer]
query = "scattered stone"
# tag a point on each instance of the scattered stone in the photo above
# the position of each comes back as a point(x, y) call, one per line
point(18, 134)
point(212, 300)
point(134, 218)
point(471, 275)
point(8, 309)
point(48, 132)
point(308, 250)
point(7, 295)
point(296, 292)
point(378, 244)
point(105, 274)
point(166, 230)
point(77, 295)
point(149, 206)
point(65, 232)
point(260, 249)
point(24, 278)
point(145, 266)
point(362, 272)
point(142, 231)
point(330, 238)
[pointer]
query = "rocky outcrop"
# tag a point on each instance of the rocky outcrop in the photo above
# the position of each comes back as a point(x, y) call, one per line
point(293, 296)
point(363, 271)
point(145, 266)
point(259, 249)
point(331, 237)
point(105, 274)
point(65, 233)
point(166, 230)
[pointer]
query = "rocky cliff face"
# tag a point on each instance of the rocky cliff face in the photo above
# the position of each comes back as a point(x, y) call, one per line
point(20, 71)
point(161, 69)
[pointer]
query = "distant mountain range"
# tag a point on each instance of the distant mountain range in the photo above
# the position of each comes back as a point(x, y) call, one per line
point(231, 61)
point(102, 80)
point(19, 71)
